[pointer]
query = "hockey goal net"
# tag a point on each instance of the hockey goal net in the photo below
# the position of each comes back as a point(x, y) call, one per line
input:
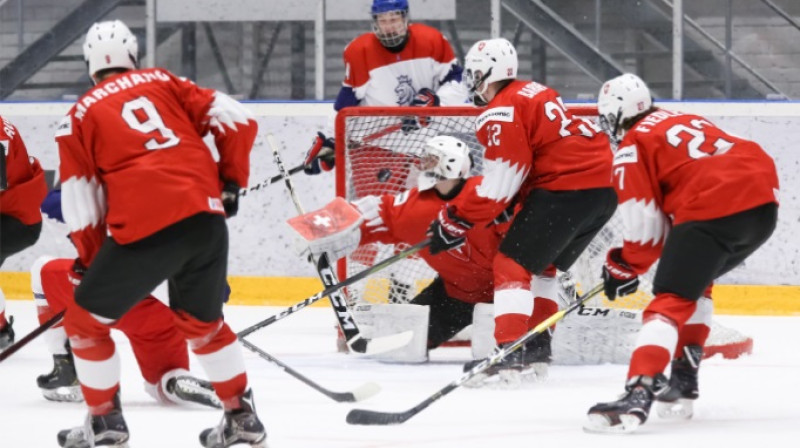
point(377, 152)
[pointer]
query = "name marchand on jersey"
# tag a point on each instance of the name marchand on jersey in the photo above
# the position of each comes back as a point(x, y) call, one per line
point(122, 82)
point(504, 114)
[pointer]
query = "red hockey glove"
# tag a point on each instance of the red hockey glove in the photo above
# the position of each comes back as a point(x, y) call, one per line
point(230, 199)
point(320, 157)
point(448, 232)
point(619, 279)
point(425, 97)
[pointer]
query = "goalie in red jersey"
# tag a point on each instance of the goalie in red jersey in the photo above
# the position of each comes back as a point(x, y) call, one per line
point(556, 168)
point(464, 276)
point(146, 202)
point(702, 201)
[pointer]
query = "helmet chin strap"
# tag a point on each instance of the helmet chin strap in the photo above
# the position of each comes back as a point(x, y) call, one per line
point(474, 89)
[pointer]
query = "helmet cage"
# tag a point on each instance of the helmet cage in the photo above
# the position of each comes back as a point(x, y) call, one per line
point(395, 38)
point(444, 157)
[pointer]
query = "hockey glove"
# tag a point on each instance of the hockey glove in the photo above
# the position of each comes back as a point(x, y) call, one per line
point(230, 199)
point(321, 156)
point(619, 279)
point(448, 232)
point(425, 97)
point(75, 274)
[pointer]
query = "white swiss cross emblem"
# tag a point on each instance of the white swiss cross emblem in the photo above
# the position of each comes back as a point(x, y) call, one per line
point(322, 221)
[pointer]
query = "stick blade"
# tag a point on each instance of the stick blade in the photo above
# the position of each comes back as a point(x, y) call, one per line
point(375, 418)
point(380, 344)
point(365, 391)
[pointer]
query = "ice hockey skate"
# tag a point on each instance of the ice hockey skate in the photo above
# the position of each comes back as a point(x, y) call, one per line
point(676, 401)
point(7, 335)
point(529, 363)
point(98, 430)
point(188, 389)
point(240, 426)
point(630, 411)
point(61, 384)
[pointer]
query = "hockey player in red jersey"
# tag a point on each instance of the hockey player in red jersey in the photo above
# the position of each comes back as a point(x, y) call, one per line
point(398, 64)
point(160, 349)
point(145, 202)
point(702, 201)
point(464, 276)
point(556, 168)
point(22, 189)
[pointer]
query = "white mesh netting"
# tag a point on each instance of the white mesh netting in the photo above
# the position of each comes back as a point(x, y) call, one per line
point(381, 149)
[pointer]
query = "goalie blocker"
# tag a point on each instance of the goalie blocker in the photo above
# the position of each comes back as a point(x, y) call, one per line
point(333, 229)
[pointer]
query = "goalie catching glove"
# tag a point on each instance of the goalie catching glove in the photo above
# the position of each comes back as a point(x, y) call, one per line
point(448, 232)
point(333, 229)
point(321, 156)
point(619, 279)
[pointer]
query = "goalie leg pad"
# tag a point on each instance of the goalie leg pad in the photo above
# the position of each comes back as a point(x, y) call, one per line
point(376, 320)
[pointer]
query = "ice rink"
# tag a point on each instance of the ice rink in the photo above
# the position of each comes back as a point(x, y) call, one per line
point(752, 401)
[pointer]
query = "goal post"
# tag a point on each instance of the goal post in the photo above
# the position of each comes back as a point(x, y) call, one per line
point(377, 152)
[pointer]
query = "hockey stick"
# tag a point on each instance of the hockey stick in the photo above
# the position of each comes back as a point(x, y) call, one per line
point(31, 336)
point(338, 298)
point(270, 181)
point(360, 393)
point(353, 144)
point(367, 417)
point(333, 288)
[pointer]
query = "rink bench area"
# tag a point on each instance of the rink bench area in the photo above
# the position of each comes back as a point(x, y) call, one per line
point(748, 300)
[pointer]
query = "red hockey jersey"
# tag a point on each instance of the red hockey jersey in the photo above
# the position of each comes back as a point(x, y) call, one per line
point(533, 141)
point(380, 77)
point(133, 160)
point(672, 168)
point(26, 184)
point(405, 218)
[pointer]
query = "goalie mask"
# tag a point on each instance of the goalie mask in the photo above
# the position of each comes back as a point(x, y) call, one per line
point(390, 22)
point(620, 99)
point(444, 157)
point(486, 62)
point(110, 45)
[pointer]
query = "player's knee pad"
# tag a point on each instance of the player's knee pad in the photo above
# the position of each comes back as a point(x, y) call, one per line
point(673, 307)
point(204, 337)
point(89, 337)
point(509, 273)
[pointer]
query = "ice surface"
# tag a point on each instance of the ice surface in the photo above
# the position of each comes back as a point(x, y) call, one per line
point(744, 402)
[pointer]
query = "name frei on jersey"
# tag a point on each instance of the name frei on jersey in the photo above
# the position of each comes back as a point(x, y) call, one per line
point(405, 218)
point(133, 160)
point(26, 184)
point(672, 168)
point(380, 77)
point(533, 141)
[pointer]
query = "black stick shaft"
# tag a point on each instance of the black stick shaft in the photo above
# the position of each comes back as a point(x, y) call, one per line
point(337, 396)
point(344, 283)
point(367, 417)
point(31, 336)
point(270, 181)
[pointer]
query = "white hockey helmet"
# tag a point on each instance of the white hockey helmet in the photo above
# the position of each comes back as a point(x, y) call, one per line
point(444, 157)
point(489, 61)
point(110, 45)
point(621, 98)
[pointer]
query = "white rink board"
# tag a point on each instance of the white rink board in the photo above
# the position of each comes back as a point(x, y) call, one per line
point(261, 243)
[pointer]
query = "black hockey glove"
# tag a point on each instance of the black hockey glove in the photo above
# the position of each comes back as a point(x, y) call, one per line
point(230, 199)
point(320, 156)
point(619, 279)
point(448, 232)
point(75, 275)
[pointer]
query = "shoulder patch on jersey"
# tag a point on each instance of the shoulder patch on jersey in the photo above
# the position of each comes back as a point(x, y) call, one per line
point(626, 154)
point(505, 114)
point(64, 127)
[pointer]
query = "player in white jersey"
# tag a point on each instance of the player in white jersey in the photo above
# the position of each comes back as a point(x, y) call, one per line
point(397, 64)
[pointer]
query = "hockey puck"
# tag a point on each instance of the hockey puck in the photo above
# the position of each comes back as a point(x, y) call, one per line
point(384, 174)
